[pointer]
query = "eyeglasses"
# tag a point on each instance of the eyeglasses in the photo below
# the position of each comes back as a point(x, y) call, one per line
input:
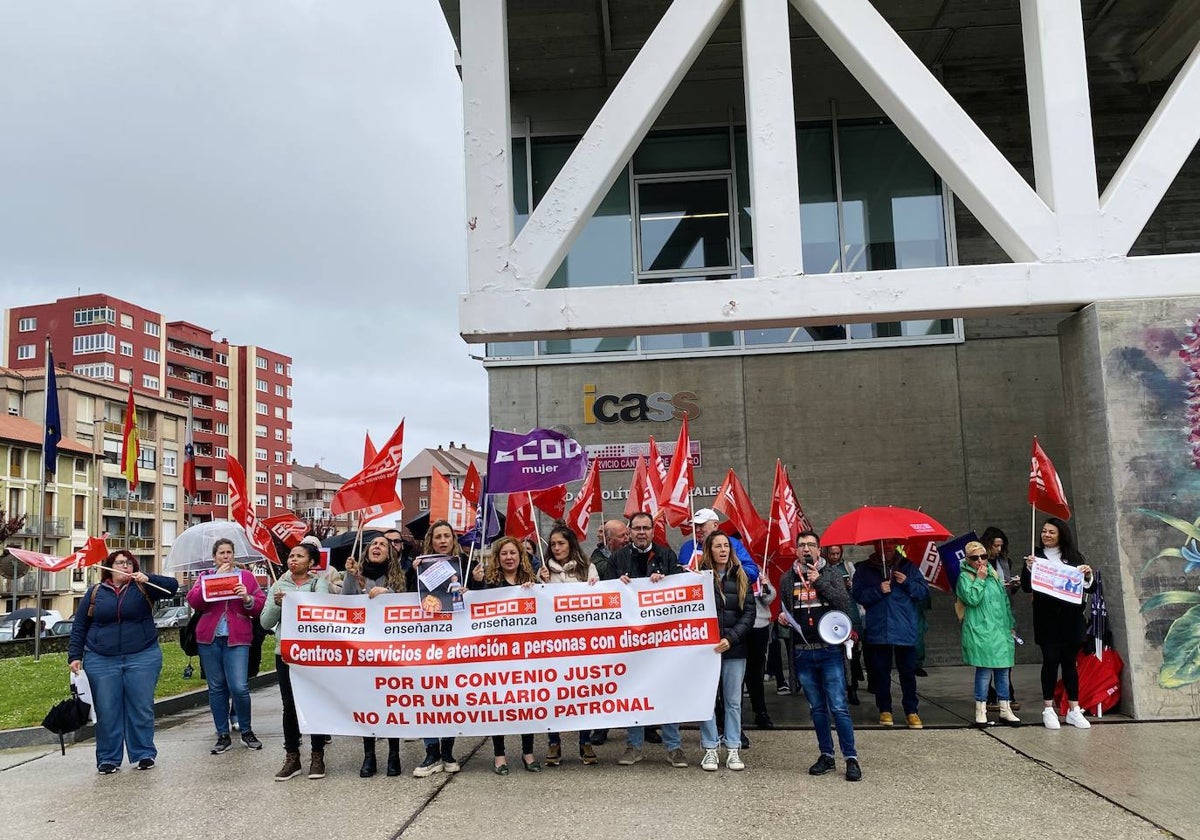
point(121, 561)
point(396, 541)
point(809, 545)
point(977, 556)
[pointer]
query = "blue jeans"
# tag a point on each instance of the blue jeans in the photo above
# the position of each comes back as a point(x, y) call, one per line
point(823, 678)
point(733, 671)
point(635, 736)
point(983, 676)
point(226, 668)
point(123, 690)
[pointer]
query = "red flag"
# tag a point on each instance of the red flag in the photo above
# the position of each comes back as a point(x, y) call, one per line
point(369, 450)
point(287, 528)
point(376, 483)
point(368, 514)
point(642, 498)
point(447, 503)
point(242, 512)
point(518, 520)
point(472, 485)
point(922, 552)
point(675, 496)
point(787, 519)
point(1045, 489)
point(189, 457)
point(588, 501)
point(656, 470)
point(129, 444)
point(552, 501)
point(733, 501)
point(93, 552)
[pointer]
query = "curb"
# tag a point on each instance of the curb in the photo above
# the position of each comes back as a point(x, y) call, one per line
point(33, 736)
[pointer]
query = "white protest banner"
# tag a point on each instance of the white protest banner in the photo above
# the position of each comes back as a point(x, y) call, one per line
point(549, 658)
point(1057, 580)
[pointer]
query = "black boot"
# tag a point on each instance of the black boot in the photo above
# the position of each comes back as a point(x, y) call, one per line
point(369, 767)
point(852, 695)
point(393, 761)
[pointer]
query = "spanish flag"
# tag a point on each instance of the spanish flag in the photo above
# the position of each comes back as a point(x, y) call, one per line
point(129, 444)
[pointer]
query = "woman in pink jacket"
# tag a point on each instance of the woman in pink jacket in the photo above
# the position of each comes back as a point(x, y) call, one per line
point(223, 634)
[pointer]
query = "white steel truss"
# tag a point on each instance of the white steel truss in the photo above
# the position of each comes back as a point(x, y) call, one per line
point(1069, 244)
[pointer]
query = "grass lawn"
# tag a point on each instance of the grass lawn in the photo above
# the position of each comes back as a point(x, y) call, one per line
point(31, 688)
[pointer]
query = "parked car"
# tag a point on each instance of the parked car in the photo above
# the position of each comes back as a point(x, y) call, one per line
point(62, 628)
point(172, 616)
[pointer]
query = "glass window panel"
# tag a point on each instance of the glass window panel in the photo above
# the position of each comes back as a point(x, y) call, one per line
point(560, 346)
point(688, 341)
point(796, 335)
point(510, 348)
point(693, 152)
point(603, 253)
point(685, 224)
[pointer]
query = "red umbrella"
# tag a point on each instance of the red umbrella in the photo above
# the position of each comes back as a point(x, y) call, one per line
point(874, 524)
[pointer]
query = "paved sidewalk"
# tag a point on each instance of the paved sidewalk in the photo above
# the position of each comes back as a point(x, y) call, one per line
point(1114, 781)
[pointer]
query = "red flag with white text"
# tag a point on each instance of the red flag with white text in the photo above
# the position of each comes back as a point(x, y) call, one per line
point(369, 450)
point(376, 483)
point(922, 552)
point(643, 499)
point(1045, 489)
point(787, 519)
point(552, 501)
point(93, 551)
point(588, 501)
point(241, 511)
point(733, 501)
point(675, 496)
point(472, 485)
point(287, 528)
point(519, 518)
point(447, 503)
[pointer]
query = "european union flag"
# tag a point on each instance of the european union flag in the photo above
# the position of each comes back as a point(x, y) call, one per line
point(53, 424)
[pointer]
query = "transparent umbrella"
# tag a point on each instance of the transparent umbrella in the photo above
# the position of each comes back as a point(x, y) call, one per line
point(192, 550)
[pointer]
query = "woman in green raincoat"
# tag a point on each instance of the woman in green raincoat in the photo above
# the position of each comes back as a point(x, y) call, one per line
point(987, 630)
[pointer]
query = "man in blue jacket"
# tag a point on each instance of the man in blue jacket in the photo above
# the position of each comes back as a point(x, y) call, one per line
point(891, 592)
point(704, 521)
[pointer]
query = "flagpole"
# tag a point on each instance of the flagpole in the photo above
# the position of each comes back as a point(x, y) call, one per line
point(37, 605)
point(537, 532)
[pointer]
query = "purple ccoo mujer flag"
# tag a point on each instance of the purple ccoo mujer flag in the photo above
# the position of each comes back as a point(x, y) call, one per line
point(537, 460)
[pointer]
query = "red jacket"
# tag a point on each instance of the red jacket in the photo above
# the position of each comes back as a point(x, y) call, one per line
point(240, 617)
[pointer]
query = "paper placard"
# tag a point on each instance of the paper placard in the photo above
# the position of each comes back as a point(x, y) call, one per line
point(220, 587)
point(1058, 580)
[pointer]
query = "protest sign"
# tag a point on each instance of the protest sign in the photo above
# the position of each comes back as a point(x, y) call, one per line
point(220, 587)
point(1057, 580)
point(544, 659)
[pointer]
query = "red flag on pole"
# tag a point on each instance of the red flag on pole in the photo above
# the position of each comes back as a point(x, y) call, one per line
point(129, 444)
point(1045, 489)
point(369, 450)
point(376, 483)
point(93, 552)
point(189, 456)
point(447, 503)
point(733, 501)
point(643, 499)
point(787, 518)
point(588, 501)
point(675, 496)
point(552, 501)
point(287, 528)
point(472, 485)
point(241, 511)
point(519, 518)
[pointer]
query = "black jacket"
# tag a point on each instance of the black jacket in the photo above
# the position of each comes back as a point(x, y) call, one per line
point(660, 558)
point(734, 620)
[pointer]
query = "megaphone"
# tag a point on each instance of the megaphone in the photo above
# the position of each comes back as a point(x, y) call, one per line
point(834, 629)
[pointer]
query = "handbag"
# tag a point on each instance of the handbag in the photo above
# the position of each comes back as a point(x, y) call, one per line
point(187, 635)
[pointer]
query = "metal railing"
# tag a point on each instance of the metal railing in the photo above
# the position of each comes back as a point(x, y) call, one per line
point(117, 503)
point(56, 526)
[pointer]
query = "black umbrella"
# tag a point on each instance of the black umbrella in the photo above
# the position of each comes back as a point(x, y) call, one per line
point(342, 546)
point(24, 613)
point(1098, 619)
point(67, 716)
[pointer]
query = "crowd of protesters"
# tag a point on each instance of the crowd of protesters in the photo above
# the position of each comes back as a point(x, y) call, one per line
point(883, 599)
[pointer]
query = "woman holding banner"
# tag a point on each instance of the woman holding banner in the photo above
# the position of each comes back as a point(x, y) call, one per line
point(987, 630)
point(377, 571)
point(565, 563)
point(441, 540)
point(300, 578)
point(223, 635)
point(510, 566)
point(1058, 625)
point(735, 619)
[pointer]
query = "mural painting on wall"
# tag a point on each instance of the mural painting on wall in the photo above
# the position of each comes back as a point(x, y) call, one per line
point(1179, 632)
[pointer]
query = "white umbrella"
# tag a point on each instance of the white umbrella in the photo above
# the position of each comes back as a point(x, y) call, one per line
point(192, 550)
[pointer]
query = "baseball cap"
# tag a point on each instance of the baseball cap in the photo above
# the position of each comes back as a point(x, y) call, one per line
point(705, 515)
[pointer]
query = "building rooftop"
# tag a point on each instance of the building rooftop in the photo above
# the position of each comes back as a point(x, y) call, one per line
point(20, 430)
point(452, 460)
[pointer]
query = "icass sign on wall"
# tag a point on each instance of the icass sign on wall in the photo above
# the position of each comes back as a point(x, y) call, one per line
point(634, 407)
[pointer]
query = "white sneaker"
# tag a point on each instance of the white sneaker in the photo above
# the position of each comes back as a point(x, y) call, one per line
point(1075, 718)
point(733, 761)
point(1050, 718)
point(711, 761)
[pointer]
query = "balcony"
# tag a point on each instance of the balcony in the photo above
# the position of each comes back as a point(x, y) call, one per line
point(144, 435)
point(52, 582)
point(56, 526)
point(117, 504)
point(138, 544)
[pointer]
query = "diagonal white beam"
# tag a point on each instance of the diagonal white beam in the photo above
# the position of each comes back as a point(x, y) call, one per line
point(487, 139)
point(936, 125)
point(1060, 121)
point(1154, 161)
point(611, 139)
point(864, 297)
point(771, 138)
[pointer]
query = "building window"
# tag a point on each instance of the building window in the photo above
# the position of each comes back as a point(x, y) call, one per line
point(103, 370)
point(152, 328)
point(260, 454)
point(126, 321)
point(279, 390)
point(95, 315)
point(221, 499)
point(221, 451)
point(126, 376)
point(222, 405)
point(278, 412)
point(424, 484)
point(279, 434)
point(260, 430)
point(222, 428)
point(126, 348)
point(27, 325)
point(170, 462)
point(223, 382)
point(223, 360)
point(94, 343)
point(289, 392)
point(260, 478)
point(150, 382)
point(279, 479)
point(145, 458)
point(260, 363)
point(150, 354)
point(261, 385)
point(170, 493)
point(261, 408)
point(279, 368)
point(26, 351)
point(423, 503)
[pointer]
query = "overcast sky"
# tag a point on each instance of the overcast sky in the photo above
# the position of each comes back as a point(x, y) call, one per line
point(287, 172)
